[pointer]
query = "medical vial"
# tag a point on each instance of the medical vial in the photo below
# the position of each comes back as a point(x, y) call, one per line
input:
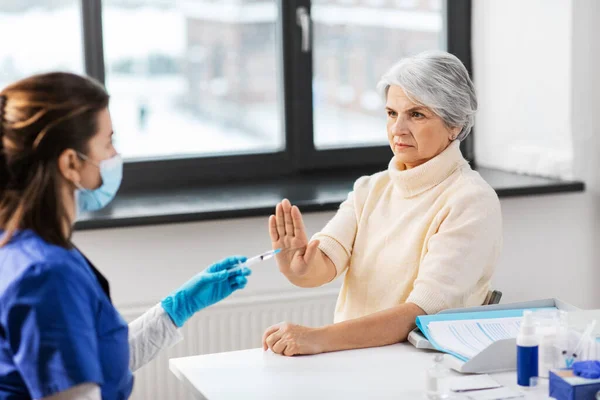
point(434, 385)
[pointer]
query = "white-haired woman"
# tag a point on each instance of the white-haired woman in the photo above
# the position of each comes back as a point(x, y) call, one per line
point(420, 237)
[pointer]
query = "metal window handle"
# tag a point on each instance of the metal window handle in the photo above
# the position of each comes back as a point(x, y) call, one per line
point(303, 20)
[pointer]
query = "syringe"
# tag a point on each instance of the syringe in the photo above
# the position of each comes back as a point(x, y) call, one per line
point(255, 260)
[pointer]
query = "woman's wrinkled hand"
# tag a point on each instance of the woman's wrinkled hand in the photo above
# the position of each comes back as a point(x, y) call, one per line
point(287, 232)
point(290, 339)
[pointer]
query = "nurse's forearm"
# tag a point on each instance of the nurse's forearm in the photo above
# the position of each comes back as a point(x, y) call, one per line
point(85, 391)
point(379, 329)
point(321, 270)
point(149, 334)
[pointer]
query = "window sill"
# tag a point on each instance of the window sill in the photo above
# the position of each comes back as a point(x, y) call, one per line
point(322, 192)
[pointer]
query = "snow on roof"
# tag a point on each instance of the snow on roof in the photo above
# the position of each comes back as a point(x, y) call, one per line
point(141, 31)
point(43, 39)
point(266, 11)
point(420, 21)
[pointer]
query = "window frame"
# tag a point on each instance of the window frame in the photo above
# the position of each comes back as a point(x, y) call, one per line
point(295, 75)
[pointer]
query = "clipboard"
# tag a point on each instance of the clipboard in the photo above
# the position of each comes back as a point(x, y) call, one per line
point(499, 356)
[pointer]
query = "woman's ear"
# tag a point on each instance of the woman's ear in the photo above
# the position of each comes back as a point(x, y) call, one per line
point(69, 165)
point(453, 133)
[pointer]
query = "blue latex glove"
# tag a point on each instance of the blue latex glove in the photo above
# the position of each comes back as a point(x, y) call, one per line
point(208, 287)
point(587, 369)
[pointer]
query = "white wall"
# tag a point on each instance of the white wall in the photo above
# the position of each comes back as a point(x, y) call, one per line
point(549, 249)
point(586, 110)
point(523, 70)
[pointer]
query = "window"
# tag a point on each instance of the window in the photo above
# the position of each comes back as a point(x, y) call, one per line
point(207, 91)
point(364, 41)
point(24, 51)
point(193, 78)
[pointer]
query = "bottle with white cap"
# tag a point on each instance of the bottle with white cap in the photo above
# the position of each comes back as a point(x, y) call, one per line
point(527, 351)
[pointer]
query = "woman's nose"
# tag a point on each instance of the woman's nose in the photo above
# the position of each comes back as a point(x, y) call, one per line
point(400, 126)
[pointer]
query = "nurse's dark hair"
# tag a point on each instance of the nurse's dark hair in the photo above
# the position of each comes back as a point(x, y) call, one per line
point(40, 117)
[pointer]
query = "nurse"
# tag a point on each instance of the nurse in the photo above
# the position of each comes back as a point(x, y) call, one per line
point(60, 336)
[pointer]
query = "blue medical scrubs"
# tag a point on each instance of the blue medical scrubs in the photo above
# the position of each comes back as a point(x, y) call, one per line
point(58, 328)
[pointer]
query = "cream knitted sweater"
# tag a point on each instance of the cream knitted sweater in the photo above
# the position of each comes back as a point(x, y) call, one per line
point(430, 235)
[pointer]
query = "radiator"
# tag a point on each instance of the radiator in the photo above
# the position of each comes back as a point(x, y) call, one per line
point(231, 325)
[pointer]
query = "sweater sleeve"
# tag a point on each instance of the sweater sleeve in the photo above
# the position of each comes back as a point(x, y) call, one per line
point(337, 237)
point(460, 253)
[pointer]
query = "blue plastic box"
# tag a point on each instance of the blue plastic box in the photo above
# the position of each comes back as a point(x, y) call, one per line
point(564, 385)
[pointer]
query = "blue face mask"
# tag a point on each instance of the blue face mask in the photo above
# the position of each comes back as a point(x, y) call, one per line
point(111, 172)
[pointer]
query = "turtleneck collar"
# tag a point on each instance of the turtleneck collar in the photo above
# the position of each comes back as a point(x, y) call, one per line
point(414, 181)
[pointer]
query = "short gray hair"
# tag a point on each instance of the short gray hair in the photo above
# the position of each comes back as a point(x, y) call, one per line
point(439, 81)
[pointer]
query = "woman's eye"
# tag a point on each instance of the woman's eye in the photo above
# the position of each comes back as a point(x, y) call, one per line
point(416, 114)
point(391, 114)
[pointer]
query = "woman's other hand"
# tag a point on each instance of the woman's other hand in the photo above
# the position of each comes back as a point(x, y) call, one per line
point(290, 340)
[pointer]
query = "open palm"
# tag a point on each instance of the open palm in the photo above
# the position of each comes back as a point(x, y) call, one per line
point(287, 232)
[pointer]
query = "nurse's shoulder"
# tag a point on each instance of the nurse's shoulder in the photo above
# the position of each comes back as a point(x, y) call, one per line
point(28, 259)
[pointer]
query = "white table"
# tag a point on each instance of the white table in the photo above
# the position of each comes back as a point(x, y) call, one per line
point(391, 372)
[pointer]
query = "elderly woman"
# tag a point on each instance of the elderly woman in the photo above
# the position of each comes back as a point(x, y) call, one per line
point(420, 237)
